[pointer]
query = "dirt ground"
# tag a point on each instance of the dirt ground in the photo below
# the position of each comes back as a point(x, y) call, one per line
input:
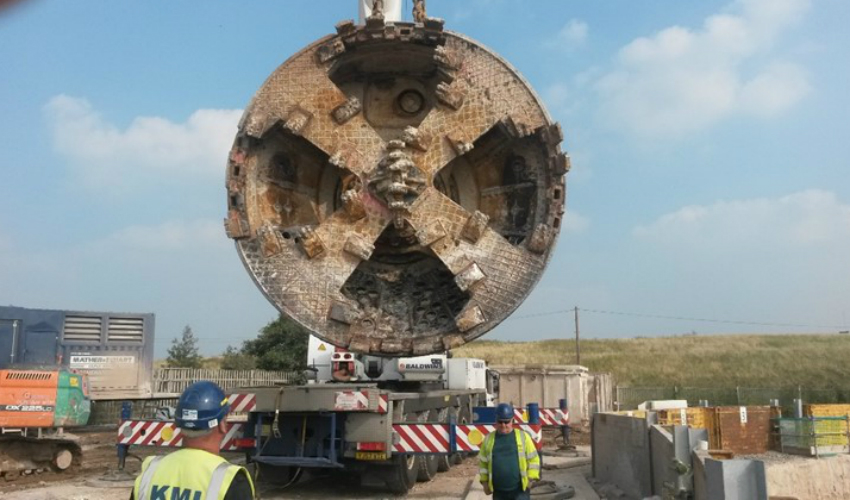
point(96, 479)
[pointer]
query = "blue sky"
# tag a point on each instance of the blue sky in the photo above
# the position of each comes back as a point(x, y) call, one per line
point(709, 143)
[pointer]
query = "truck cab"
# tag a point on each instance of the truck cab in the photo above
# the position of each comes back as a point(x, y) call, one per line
point(330, 364)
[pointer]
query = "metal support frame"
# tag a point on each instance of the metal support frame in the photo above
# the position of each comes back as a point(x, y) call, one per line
point(124, 449)
point(332, 461)
point(335, 445)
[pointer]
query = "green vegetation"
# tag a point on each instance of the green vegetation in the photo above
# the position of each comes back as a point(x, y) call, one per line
point(814, 361)
point(183, 352)
point(235, 359)
point(280, 346)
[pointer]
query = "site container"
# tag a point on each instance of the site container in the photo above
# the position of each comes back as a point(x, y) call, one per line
point(115, 349)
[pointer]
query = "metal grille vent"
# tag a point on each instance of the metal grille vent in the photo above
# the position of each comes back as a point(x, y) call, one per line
point(28, 375)
point(125, 330)
point(83, 328)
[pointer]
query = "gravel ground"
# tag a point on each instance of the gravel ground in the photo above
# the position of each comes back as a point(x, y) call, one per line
point(88, 482)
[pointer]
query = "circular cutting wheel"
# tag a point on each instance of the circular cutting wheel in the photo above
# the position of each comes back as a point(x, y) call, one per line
point(395, 188)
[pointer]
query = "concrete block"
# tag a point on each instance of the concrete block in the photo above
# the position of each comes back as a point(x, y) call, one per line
point(621, 453)
point(735, 480)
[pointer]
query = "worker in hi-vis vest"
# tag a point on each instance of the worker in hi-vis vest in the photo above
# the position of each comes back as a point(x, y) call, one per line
point(508, 459)
point(196, 471)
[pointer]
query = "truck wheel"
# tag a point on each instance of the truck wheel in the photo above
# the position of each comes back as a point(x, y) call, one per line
point(444, 462)
point(276, 474)
point(427, 468)
point(403, 473)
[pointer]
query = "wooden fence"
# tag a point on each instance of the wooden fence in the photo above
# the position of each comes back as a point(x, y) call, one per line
point(170, 382)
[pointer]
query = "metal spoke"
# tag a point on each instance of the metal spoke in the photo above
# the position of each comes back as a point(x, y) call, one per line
point(327, 255)
point(307, 103)
point(496, 273)
point(471, 105)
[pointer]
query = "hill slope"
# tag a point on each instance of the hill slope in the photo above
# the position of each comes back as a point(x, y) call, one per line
point(815, 361)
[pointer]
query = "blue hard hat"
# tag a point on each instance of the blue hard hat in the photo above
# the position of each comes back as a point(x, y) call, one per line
point(201, 406)
point(504, 411)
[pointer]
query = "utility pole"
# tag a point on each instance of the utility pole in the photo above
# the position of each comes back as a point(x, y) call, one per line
point(578, 349)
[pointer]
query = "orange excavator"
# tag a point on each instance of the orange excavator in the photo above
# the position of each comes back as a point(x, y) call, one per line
point(36, 405)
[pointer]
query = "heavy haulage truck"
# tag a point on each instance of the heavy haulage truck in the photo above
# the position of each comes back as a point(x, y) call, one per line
point(397, 189)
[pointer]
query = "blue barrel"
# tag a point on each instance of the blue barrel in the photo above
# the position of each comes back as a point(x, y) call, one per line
point(533, 413)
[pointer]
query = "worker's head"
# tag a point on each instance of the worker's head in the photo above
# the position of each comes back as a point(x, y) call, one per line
point(201, 410)
point(504, 418)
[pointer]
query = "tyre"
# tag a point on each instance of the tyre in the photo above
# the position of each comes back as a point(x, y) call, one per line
point(403, 473)
point(445, 462)
point(276, 474)
point(427, 468)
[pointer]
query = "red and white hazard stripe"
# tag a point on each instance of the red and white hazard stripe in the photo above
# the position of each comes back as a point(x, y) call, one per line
point(149, 433)
point(470, 437)
point(554, 416)
point(422, 438)
point(166, 434)
point(234, 432)
point(242, 402)
point(383, 403)
point(548, 416)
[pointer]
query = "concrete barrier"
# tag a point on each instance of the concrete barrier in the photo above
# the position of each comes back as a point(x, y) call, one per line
point(621, 453)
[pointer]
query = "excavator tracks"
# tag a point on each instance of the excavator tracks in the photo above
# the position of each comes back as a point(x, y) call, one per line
point(24, 455)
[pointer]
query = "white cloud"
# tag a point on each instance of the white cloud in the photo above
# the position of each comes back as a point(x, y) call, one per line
point(571, 36)
point(804, 219)
point(771, 92)
point(680, 80)
point(106, 156)
point(766, 260)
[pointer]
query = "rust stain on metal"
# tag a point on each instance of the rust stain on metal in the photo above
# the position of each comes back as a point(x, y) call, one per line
point(396, 188)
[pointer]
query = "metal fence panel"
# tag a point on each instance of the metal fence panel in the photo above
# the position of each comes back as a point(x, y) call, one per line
point(628, 398)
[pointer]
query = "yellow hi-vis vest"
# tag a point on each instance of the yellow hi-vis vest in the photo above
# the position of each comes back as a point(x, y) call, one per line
point(187, 474)
point(529, 460)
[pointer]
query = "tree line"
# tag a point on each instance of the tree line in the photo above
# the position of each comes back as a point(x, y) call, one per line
point(280, 345)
